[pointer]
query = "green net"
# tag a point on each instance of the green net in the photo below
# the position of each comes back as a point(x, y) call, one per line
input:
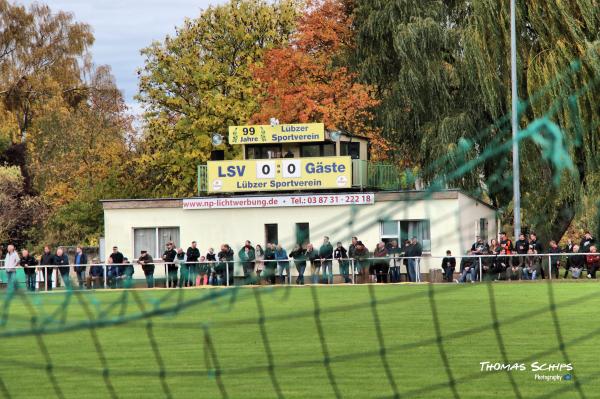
point(410, 341)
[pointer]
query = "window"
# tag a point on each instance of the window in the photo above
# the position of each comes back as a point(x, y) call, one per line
point(263, 151)
point(317, 150)
point(350, 148)
point(302, 234)
point(403, 230)
point(483, 229)
point(271, 234)
point(154, 240)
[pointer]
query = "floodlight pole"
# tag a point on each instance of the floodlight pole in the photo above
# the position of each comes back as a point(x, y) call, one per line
point(515, 120)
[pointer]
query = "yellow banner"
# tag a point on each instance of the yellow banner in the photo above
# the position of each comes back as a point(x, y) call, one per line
point(262, 134)
point(279, 174)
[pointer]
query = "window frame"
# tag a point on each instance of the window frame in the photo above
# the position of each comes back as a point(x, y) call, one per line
point(157, 250)
point(398, 236)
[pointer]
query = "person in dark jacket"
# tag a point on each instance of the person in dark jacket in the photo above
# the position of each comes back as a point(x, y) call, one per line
point(116, 256)
point(145, 260)
point(468, 268)
point(128, 271)
point(326, 256)
point(299, 256)
point(208, 267)
point(312, 255)
point(225, 257)
point(537, 248)
point(394, 251)
point(381, 263)
point(479, 247)
point(28, 263)
point(96, 275)
point(270, 263)
point(577, 262)
point(47, 259)
point(80, 262)
point(521, 247)
point(341, 255)
point(568, 250)
point(586, 242)
point(448, 266)
point(283, 263)
point(414, 252)
point(554, 260)
point(193, 255)
point(247, 257)
point(62, 261)
point(169, 257)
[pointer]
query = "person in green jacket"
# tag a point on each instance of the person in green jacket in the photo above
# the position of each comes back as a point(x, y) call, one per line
point(247, 256)
point(326, 255)
point(299, 256)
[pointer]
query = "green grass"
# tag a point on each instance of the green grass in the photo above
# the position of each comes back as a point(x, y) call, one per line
point(526, 329)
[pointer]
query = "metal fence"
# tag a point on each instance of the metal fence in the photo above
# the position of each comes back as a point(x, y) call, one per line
point(283, 272)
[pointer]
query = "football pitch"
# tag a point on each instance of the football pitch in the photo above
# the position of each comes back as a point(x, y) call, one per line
point(363, 341)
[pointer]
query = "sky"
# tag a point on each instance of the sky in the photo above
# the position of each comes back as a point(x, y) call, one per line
point(123, 27)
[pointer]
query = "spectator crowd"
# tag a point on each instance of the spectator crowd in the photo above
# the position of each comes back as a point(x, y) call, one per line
point(494, 260)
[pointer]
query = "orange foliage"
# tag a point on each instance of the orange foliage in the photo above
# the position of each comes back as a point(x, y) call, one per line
point(303, 82)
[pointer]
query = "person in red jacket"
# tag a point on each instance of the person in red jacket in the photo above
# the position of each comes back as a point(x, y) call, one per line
point(593, 262)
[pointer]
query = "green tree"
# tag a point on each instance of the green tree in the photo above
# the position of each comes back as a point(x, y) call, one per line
point(442, 72)
point(199, 82)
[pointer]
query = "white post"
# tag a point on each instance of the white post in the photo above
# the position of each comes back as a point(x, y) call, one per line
point(480, 270)
point(550, 267)
point(515, 119)
point(105, 274)
point(227, 272)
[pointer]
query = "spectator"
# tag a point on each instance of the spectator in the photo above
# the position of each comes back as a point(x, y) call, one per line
point(593, 262)
point(414, 252)
point(341, 255)
point(522, 247)
point(225, 257)
point(247, 255)
point(11, 261)
point(381, 264)
point(206, 274)
point(361, 255)
point(479, 247)
point(468, 269)
point(394, 252)
point(80, 262)
point(569, 250)
point(259, 255)
point(577, 262)
point(116, 257)
point(211, 256)
point(494, 247)
point(270, 263)
point(193, 255)
point(169, 257)
point(180, 260)
point(403, 251)
point(145, 260)
point(586, 242)
point(530, 267)
point(46, 260)
point(113, 273)
point(62, 261)
point(283, 263)
point(351, 251)
point(554, 260)
point(538, 248)
point(299, 256)
point(448, 266)
point(513, 270)
point(127, 272)
point(315, 263)
point(326, 255)
point(28, 263)
point(506, 243)
point(96, 275)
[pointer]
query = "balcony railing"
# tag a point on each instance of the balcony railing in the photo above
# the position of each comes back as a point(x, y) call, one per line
point(366, 175)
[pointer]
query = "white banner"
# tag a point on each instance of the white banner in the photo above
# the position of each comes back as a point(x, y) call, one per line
point(280, 201)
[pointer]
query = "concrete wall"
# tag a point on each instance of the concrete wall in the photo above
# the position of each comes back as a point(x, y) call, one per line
point(452, 218)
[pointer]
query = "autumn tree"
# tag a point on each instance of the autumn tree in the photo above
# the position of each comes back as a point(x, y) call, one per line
point(308, 79)
point(199, 82)
point(62, 121)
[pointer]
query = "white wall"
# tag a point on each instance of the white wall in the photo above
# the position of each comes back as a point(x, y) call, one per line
point(452, 224)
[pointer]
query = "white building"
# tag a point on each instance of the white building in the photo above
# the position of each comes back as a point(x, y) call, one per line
point(446, 220)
